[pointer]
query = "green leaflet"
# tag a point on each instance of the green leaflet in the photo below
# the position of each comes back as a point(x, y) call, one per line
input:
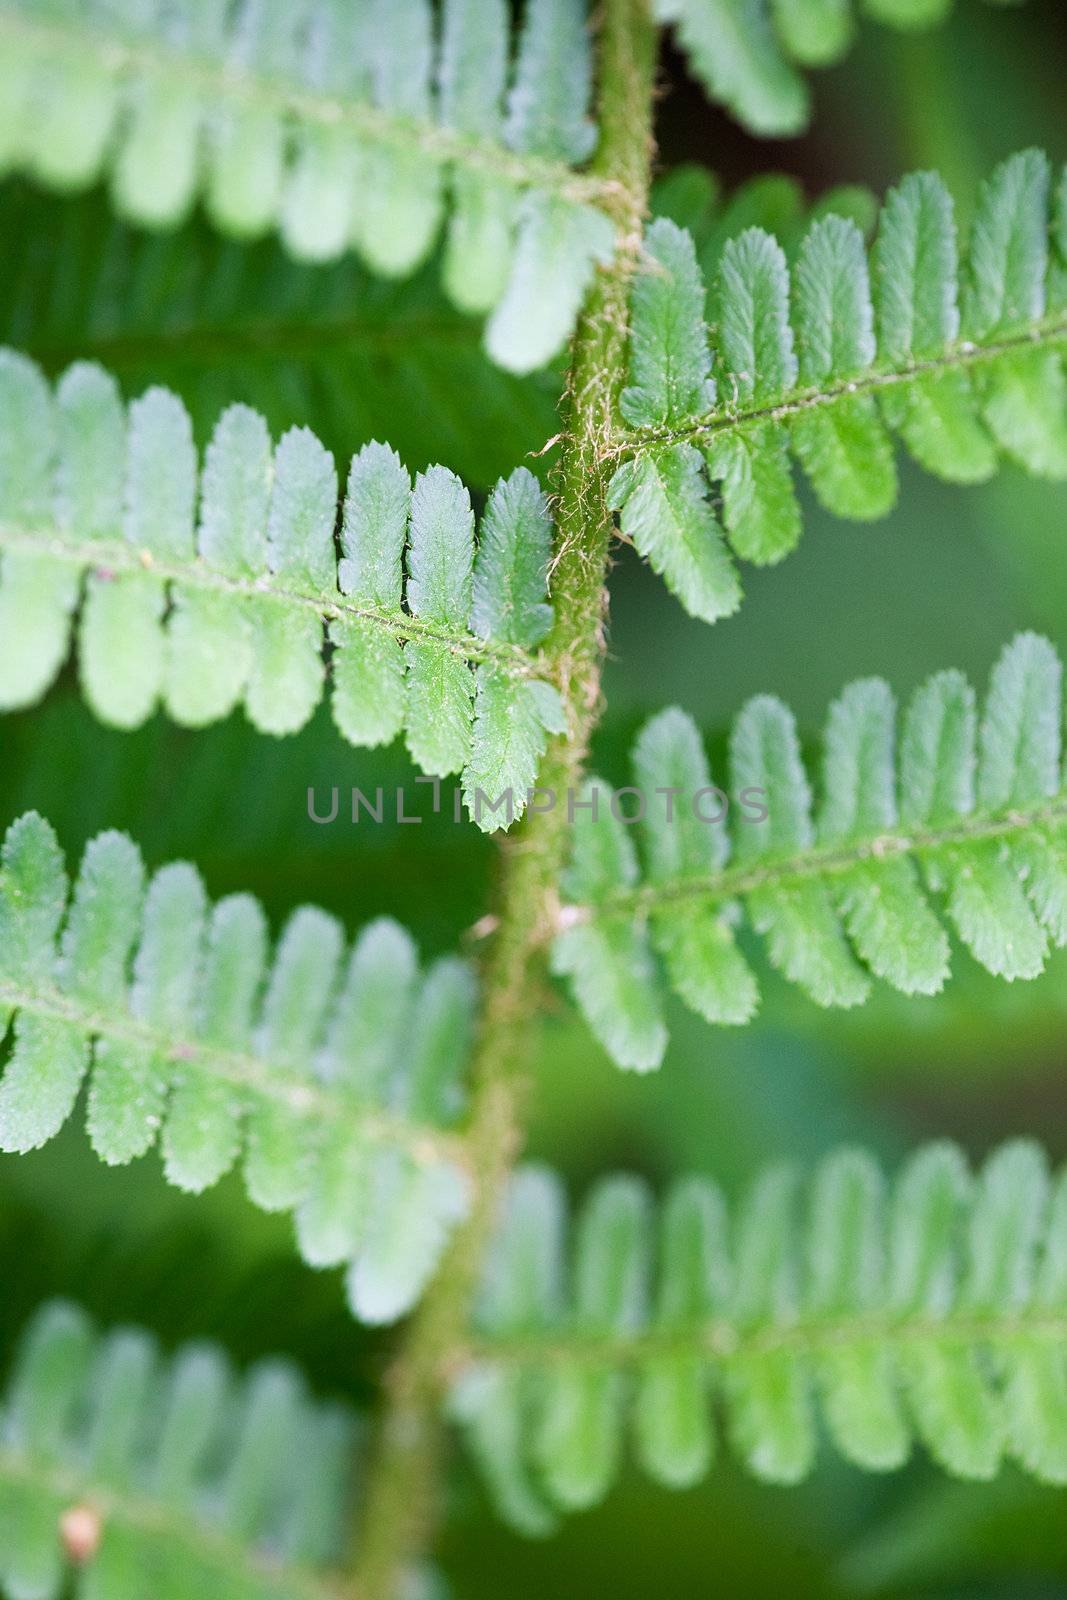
point(893, 930)
point(547, 103)
point(369, 663)
point(743, 51)
point(1005, 283)
point(440, 564)
point(937, 416)
point(514, 546)
point(955, 351)
point(755, 336)
point(558, 246)
point(36, 598)
point(609, 963)
point(973, 822)
point(702, 961)
point(915, 262)
point(674, 1440)
point(847, 455)
point(771, 1414)
point(201, 1137)
point(91, 451)
point(332, 1089)
point(760, 510)
point(342, 129)
point(1019, 738)
point(670, 366)
point(1024, 404)
point(732, 50)
point(924, 1308)
point(394, 227)
point(211, 595)
point(813, 32)
point(129, 1081)
point(665, 510)
point(577, 1443)
point(237, 1467)
point(842, 447)
point(835, 318)
point(511, 720)
point(557, 243)
point(472, 76)
point(521, 1294)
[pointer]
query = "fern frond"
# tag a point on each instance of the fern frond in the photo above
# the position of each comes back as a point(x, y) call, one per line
point(822, 361)
point(746, 52)
point(971, 814)
point(344, 127)
point(933, 1308)
point(339, 1078)
point(213, 593)
point(146, 1474)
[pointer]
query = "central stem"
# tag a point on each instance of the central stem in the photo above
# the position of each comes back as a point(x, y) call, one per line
point(403, 1494)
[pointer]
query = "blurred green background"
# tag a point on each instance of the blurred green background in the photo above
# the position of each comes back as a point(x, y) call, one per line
point(944, 581)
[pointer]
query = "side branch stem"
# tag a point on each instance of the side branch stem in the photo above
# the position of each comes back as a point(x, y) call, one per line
point(1049, 333)
point(405, 1485)
point(821, 861)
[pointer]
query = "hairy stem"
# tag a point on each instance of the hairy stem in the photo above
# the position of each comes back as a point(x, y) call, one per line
point(404, 1488)
point(720, 1341)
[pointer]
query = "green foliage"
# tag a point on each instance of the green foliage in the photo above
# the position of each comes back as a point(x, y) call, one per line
point(973, 814)
point(344, 128)
point(207, 599)
point(933, 1308)
point(336, 1077)
point(690, 196)
point(354, 356)
point(141, 1474)
point(208, 557)
point(746, 52)
point(962, 361)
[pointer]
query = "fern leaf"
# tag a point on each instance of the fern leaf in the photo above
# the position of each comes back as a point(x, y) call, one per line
point(744, 51)
point(732, 50)
point(37, 597)
point(755, 336)
point(548, 101)
point(665, 510)
point(970, 819)
point(473, 74)
point(703, 961)
point(342, 128)
point(369, 665)
point(577, 1442)
point(609, 963)
point(813, 32)
point(820, 361)
point(136, 1470)
point(929, 1308)
point(670, 362)
point(558, 246)
point(205, 607)
point(341, 1091)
